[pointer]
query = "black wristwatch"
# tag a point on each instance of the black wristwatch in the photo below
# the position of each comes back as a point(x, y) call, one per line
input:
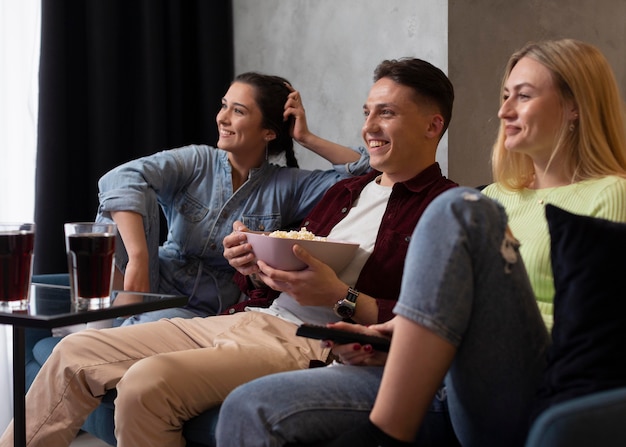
point(345, 308)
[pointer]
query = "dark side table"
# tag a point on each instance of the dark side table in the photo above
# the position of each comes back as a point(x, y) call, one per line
point(56, 310)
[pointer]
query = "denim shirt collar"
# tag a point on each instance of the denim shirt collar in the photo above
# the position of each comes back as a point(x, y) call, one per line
point(254, 172)
point(260, 170)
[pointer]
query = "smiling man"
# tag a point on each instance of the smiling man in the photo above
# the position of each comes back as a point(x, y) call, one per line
point(168, 371)
point(406, 113)
point(398, 120)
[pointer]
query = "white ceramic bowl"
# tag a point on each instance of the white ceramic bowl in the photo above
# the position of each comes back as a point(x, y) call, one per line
point(278, 252)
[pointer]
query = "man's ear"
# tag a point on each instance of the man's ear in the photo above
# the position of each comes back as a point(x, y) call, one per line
point(435, 127)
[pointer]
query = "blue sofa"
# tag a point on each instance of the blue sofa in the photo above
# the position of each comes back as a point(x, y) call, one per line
point(594, 419)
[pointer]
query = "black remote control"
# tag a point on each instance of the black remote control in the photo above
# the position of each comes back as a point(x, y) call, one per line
point(343, 337)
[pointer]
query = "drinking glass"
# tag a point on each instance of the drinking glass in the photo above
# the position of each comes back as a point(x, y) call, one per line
point(17, 244)
point(90, 250)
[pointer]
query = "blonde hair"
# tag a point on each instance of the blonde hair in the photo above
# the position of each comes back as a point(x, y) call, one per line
point(596, 147)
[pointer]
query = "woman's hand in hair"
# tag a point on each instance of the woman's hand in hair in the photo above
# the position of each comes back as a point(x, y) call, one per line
point(295, 109)
point(335, 153)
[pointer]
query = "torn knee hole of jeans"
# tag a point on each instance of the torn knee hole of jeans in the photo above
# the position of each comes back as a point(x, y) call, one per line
point(509, 250)
point(471, 197)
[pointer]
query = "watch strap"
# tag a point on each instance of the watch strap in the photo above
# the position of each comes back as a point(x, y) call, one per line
point(352, 295)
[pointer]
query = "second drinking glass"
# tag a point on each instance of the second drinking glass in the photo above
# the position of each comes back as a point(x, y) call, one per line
point(90, 250)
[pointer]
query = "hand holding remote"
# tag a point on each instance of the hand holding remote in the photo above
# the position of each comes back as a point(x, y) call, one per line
point(340, 336)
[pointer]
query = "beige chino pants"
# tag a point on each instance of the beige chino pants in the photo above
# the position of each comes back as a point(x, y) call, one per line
point(165, 372)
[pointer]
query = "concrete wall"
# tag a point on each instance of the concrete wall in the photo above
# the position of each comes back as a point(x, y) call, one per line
point(482, 36)
point(329, 48)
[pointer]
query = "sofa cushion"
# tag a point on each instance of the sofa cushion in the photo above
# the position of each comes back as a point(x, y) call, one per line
point(596, 419)
point(589, 332)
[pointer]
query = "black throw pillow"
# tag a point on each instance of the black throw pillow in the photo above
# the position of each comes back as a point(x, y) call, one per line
point(589, 333)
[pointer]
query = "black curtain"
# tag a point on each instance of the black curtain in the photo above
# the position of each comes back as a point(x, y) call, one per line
point(120, 79)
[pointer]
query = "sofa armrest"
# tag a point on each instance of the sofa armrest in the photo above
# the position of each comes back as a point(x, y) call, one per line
point(594, 419)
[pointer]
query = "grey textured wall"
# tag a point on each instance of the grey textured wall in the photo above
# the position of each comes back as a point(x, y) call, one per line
point(328, 49)
point(484, 33)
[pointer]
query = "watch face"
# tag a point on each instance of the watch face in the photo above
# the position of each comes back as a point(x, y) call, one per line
point(345, 307)
point(344, 311)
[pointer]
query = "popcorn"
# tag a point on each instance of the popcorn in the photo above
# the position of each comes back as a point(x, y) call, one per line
point(303, 234)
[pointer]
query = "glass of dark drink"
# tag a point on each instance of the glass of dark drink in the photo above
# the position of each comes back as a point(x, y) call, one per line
point(17, 243)
point(90, 250)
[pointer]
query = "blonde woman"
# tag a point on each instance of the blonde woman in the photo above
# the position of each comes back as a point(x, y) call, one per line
point(561, 141)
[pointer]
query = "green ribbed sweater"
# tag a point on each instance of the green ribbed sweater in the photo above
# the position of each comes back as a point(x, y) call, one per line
point(604, 197)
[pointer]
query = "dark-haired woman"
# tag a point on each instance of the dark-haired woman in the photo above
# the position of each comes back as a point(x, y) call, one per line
point(202, 190)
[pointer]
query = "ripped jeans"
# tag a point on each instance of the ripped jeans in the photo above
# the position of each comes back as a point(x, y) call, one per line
point(464, 280)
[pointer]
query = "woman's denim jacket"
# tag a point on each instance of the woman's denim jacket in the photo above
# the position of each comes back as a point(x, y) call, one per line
point(193, 187)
